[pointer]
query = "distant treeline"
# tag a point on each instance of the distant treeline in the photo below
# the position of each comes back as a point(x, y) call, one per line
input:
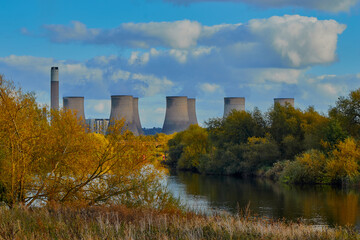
point(151, 131)
point(285, 144)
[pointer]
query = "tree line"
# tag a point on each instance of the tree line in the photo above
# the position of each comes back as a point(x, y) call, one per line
point(284, 143)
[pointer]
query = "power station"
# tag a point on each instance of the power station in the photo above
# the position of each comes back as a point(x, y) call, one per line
point(284, 101)
point(177, 115)
point(76, 105)
point(54, 88)
point(233, 103)
point(192, 111)
point(136, 116)
point(98, 125)
point(122, 106)
point(180, 110)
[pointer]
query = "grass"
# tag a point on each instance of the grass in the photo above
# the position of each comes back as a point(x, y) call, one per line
point(139, 223)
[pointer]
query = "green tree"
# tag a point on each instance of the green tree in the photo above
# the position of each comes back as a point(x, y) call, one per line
point(347, 112)
point(187, 147)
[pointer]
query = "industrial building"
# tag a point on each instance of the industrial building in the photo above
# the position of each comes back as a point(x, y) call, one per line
point(192, 111)
point(98, 125)
point(233, 103)
point(54, 88)
point(180, 110)
point(136, 116)
point(122, 106)
point(177, 115)
point(75, 105)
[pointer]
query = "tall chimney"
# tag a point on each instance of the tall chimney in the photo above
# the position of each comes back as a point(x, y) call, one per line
point(233, 103)
point(192, 111)
point(122, 107)
point(136, 116)
point(54, 104)
point(76, 105)
point(177, 116)
point(284, 101)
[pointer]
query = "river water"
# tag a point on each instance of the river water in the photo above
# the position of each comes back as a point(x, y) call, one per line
point(318, 205)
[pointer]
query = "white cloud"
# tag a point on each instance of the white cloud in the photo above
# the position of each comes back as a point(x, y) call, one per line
point(77, 31)
point(281, 41)
point(179, 55)
point(97, 77)
point(104, 60)
point(209, 88)
point(139, 58)
point(328, 88)
point(38, 64)
point(289, 76)
point(178, 34)
point(120, 75)
point(79, 72)
point(299, 40)
point(324, 5)
point(150, 85)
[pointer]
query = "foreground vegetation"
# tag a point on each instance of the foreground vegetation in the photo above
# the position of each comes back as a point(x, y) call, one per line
point(285, 143)
point(141, 223)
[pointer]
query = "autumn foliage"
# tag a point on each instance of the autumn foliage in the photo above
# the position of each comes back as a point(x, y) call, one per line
point(50, 157)
point(286, 143)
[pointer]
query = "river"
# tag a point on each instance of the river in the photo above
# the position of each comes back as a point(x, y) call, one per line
point(318, 205)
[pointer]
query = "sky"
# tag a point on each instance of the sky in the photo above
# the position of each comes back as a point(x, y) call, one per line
point(208, 49)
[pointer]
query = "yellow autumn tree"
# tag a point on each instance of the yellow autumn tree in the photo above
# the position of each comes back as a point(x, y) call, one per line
point(344, 161)
point(50, 157)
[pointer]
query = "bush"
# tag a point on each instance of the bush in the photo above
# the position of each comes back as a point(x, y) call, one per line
point(308, 167)
point(276, 170)
point(294, 173)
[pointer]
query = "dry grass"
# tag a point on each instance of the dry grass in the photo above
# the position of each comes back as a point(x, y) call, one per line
point(125, 223)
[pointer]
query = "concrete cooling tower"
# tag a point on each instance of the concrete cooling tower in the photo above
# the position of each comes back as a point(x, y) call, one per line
point(54, 88)
point(76, 105)
point(122, 106)
point(192, 111)
point(284, 101)
point(177, 116)
point(233, 103)
point(136, 115)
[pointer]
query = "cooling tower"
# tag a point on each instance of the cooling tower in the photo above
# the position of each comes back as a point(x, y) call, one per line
point(177, 116)
point(233, 103)
point(122, 107)
point(76, 105)
point(192, 111)
point(54, 104)
point(284, 101)
point(136, 116)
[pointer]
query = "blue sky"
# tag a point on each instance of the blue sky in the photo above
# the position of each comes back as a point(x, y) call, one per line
point(258, 49)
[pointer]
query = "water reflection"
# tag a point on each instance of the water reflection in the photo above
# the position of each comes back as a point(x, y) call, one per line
point(322, 205)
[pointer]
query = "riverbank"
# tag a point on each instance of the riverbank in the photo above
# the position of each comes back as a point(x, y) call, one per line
point(128, 223)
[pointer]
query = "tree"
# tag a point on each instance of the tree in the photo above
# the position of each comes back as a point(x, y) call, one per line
point(236, 128)
point(195, 142)
point(187, 147)
point(285, 128)
point(59, 161)
point(344, 161)
point(347, 112)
